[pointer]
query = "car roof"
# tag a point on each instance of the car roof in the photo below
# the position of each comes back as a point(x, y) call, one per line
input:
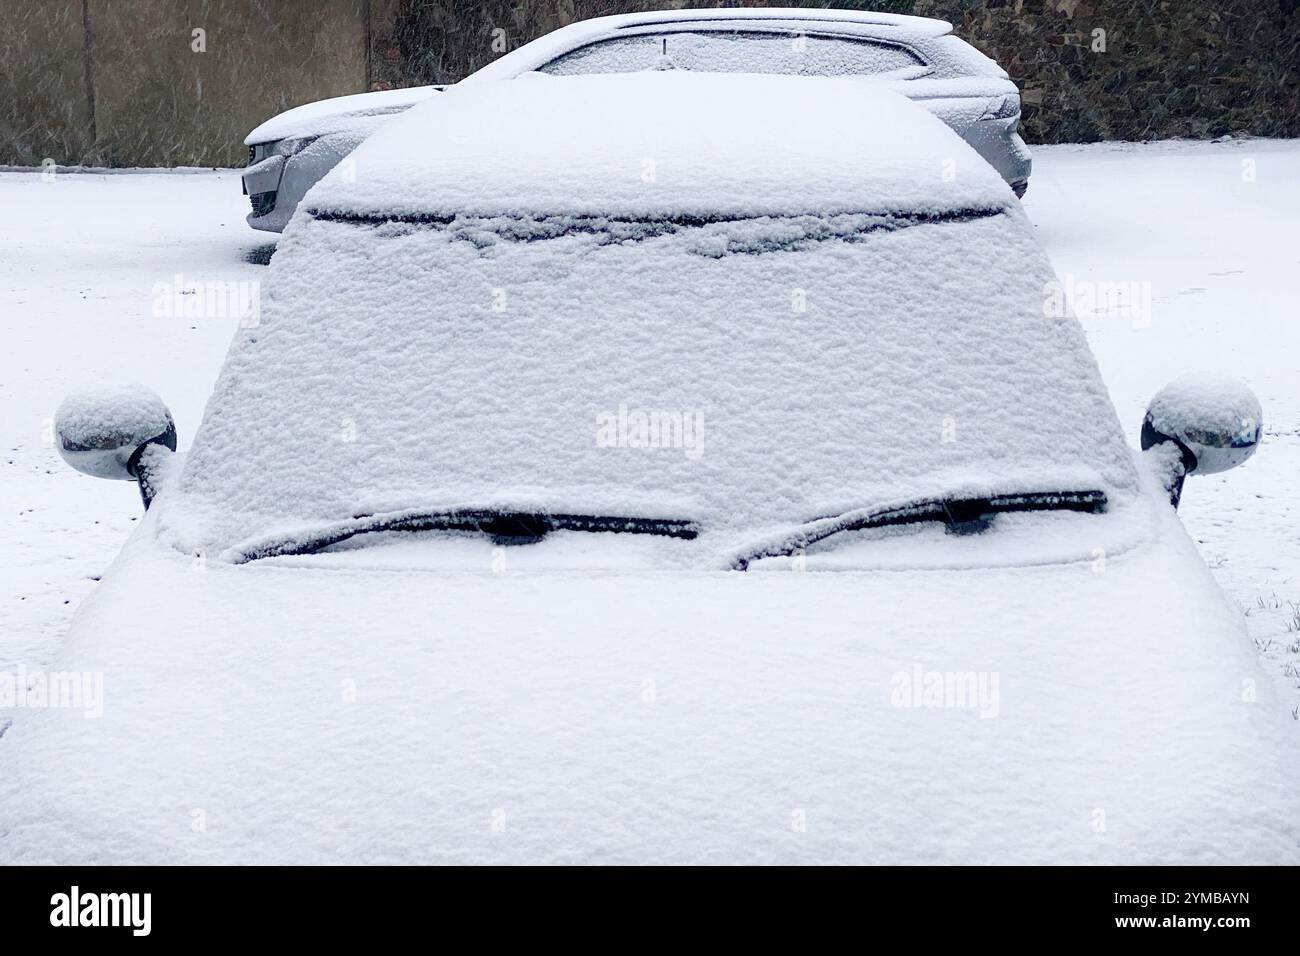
point(662, 143)
point(919, 26)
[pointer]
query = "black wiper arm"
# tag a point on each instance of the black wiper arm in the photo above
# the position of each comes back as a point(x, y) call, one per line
point(959, 514)
point(515, 527)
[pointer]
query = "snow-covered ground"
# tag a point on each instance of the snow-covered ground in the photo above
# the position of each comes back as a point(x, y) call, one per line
point(1200, 235)
point(82, 255)
point(1212, 228)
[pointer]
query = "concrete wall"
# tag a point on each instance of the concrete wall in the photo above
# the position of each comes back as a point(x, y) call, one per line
point(130, 82)
point(127, 82)
point(44, 110)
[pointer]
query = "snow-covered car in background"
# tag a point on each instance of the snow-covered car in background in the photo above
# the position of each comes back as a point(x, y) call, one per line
point(675, 468)
point(917, 56)
point(290, 152)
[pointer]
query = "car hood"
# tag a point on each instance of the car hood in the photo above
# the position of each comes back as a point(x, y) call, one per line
point(326, 116)
point(1114, 713)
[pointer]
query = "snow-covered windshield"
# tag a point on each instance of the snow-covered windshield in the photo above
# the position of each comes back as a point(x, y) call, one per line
point(739, 51)
point(746, 375)
point(743, 302)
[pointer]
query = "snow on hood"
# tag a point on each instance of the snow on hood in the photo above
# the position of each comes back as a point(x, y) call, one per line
point(662, 143)
point(1047, 715)
point(324, 116)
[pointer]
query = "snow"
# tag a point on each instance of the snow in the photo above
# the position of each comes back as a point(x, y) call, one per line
point(828, 364)
point(82, 256)
point(674, 718)
point(1218, 418)
point(734, 53)
point(339, 112)
point(98, 431)
point(533, 55)
point(1209, 228)
point(745, 146)
point(118, 418)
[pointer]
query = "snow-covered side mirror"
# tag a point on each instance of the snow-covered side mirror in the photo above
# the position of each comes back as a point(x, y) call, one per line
point(106, 432)
point(1215, 424)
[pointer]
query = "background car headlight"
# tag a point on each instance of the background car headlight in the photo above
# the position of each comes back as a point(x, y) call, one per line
point(291, 147)
point(1006, 108)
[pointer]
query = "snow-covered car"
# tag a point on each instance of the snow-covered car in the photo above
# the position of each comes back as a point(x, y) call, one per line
point(658, 468)
point(917, 56)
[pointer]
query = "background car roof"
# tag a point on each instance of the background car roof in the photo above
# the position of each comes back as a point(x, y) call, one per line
point(891, 25)
point(662, 143)
point(921, 26)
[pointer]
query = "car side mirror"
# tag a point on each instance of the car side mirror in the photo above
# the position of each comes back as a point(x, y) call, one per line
point(118, 432)
point(1212, 424)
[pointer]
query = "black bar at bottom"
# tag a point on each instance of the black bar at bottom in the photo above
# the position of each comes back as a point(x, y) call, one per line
point(302, 905)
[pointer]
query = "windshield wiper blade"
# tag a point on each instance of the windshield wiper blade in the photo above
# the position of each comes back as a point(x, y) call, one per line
point(514, 527)
point(961, 515)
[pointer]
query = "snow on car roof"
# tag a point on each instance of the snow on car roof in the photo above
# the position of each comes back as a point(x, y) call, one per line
point(658, 144)
point(531, 55)
point(927, 26)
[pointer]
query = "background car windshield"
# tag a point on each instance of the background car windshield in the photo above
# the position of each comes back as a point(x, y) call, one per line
point(736, 52)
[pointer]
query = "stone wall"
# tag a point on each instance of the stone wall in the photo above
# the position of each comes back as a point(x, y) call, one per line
point(130, 82)
point(1088, 69)
point(1141, 69)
